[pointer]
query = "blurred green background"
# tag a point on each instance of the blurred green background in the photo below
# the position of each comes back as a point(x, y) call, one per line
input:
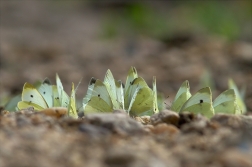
point(172, 40)
point(230, 19)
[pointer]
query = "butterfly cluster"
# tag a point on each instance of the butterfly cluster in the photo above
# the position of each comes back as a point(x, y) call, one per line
point(45, 95)
point(135, 97)
point(201, 101)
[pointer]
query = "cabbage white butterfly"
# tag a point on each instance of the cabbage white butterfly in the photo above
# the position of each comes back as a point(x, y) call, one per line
point(45, 89)
point(72, 105)
point(200, 103)
point(226, 103)
point(50, 99)
point(181, 97)
point(97, 98)
point(136, 98)
point(240, 100)
point(115, 90)
point(32, 97)
point(141, 99)
point(63, 97)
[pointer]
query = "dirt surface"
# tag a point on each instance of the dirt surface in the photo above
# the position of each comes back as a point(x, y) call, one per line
point(39, 40)
point(33, 139)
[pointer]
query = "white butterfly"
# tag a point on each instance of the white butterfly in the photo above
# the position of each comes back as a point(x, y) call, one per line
point(47, 96)
point(226, 103)
point(136, 98)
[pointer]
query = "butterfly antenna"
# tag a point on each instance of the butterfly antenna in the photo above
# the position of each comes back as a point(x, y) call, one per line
point(78, 85)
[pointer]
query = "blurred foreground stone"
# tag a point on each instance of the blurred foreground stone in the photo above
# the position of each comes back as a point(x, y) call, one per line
point(34, 139)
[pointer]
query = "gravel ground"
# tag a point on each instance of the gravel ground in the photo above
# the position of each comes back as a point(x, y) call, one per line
point(39, 40)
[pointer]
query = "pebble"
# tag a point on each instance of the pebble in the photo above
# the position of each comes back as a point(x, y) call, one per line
point(165, 116)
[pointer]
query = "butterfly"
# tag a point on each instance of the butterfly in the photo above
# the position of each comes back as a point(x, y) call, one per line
point(72, 111)
point(181, 97)
point(239, 96)
point(200, 102)
point(139, 98)
point(45, 89)
point(46, 96)
point(32, 97)
point(104, 96)
point(115, 90)
point(226, 103)
point(62, 95)
point(97, 98)
point(136, 98)
point(155, 96)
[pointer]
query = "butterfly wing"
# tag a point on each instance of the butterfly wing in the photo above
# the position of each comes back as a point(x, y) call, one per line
point(154, 92)
point(100, 100)
point(63, 97)
point(132, 75)
point(140, 98)
point(31, 95)
point(72, 105)
point(136, 83)
point(141, 102)
point(25, 104)
point(97, 104)
point(56, 99)
point(59, 85)
point(200, 103)
point(110, 83)
point(240, 101)
point(119, 94)
point(181, 97)
point(225, 102)
point(89, 91)
point(45, 89)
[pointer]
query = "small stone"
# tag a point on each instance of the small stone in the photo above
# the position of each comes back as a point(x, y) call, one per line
point(148, 128)
point(93, 131)
point(4, 112)
point(235, 158)
point(27, 110)
point(165, 128)
point(22, 120)
point(234, 121)
point(143, 119)
point(81, 114)
point(117, 123)
point(186, 117)
point(56, 112)
point(198, 125)
point(165, 116)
